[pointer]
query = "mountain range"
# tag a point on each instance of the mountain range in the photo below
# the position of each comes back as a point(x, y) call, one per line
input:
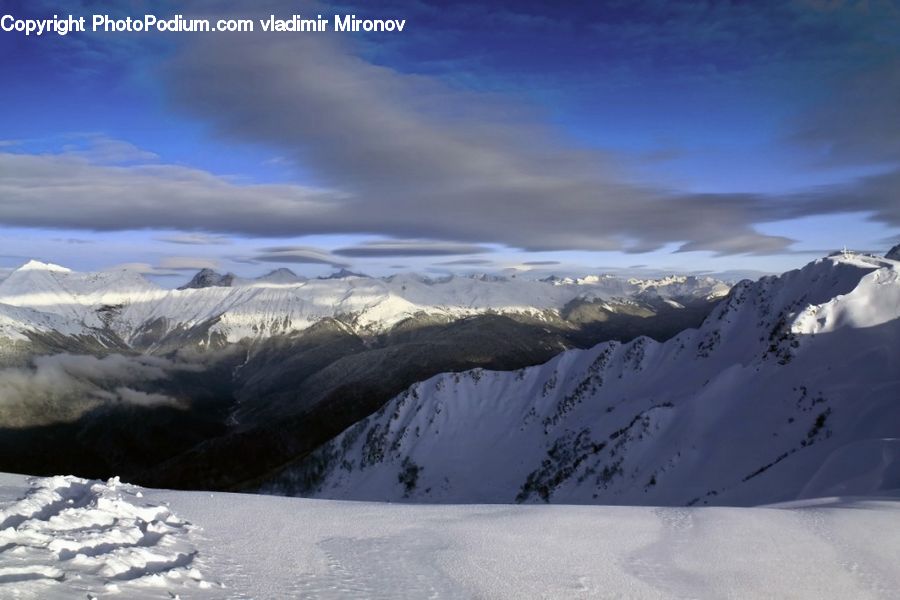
point(227, 380)
point(676, 391)
point(122, 308)
point(789, 389)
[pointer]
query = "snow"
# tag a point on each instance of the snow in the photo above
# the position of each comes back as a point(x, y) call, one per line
point(782, 379)
point(68, 537)
point(36, 265)
point(16, 320)
point(65, 537)
point(280, 302)
point(787, 393)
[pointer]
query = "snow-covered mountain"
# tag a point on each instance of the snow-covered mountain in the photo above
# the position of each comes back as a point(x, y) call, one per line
point(790, 388)
point(208, 278)
point(122, 307)
point(894, 253)
point(273, 366)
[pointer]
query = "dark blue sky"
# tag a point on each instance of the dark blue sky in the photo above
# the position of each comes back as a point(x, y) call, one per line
point(679, 135)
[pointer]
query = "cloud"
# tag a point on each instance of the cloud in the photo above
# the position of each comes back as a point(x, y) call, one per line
point(742, 244)
point(137, 267)
point(139, 398)
point(429, 161)
point(858, 125)
point(144, 269)
point(400, 155)
point(473, 262)
point(889, 241)
point(183, 263)
point(382, 248)
point(102, 149)
point(244, 260)
point(64, 191)
point(72, 241)
point(195, 239)
point(860, 122)
point(541, 263)
point(298, 255)
point(62, 387)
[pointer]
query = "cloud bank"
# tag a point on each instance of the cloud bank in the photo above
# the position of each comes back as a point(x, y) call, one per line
point(62, 387)
point(389, 248)
point(298, 255)
point(407, 156)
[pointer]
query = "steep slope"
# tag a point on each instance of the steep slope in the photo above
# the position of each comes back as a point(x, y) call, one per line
point(208, 278)
point(747, 409)
point(893, 253)
point(62, 301)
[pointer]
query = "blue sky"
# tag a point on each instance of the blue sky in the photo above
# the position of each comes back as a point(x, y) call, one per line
point(695, 136)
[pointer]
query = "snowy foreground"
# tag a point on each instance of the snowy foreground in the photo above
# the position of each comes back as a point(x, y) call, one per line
point(65, 537)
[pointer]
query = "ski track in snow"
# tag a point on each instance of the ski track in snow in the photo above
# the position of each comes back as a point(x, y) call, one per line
point(358, 568)
point(858, 560)
point(68, 534)
point(656, 563)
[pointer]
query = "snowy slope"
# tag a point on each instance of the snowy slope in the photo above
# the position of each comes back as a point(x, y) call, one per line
point(125, 303)
point(65, 537)
point(781, 379)
point(70, 302)
point(16, 320)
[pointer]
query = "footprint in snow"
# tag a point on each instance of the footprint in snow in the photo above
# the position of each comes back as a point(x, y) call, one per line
point(71, 537)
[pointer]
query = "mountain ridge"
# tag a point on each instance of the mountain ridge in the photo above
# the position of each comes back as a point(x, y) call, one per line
point(746, 409)
point(228, 308)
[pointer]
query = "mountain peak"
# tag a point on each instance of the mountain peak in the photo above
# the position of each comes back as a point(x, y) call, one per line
point(36, 265)
point(342, 274)
point(893, 253)
point(208, 278)
point(279, 272)
point(281, 275)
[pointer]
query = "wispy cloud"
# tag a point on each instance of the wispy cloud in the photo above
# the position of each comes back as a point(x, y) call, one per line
point(195, 239)
point(466, 262)
point(184, 263)
point(298, 255)
point(104, 150)
point(409, 157)
point(72, 241)
point(386, 248)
